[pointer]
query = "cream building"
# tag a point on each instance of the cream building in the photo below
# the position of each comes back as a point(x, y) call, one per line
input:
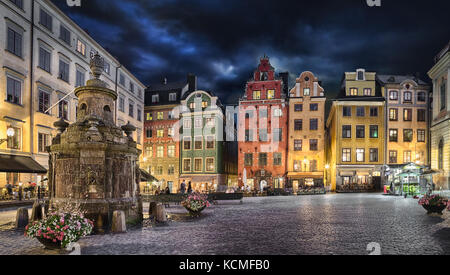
point(44, 56)
point(440, 123)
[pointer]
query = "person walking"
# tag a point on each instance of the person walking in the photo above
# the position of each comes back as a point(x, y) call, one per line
point(9, 188)
point(189, 188)
point(183, 187)
point(20, 192)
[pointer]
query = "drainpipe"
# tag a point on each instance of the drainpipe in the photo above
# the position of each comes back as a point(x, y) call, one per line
point(31, 80)
point(116, 86)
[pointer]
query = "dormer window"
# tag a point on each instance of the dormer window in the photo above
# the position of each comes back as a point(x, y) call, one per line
point(360, 75)
point(172, 97)
point(155, 98)
point(407, 97)
point(306, 92)
point(264, 76)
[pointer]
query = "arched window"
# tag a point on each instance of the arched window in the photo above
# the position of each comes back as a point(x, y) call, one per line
point(441, 155)
point(107, 109)
point(83, 107)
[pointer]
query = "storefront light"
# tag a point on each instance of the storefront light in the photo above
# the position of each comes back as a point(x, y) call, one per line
point(10, 132)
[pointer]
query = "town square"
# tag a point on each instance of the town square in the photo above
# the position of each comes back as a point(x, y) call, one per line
point(132, 128)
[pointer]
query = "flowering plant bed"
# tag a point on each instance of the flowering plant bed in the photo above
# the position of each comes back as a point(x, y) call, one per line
point(59, 230)
point(434, 203)
point(195, 203)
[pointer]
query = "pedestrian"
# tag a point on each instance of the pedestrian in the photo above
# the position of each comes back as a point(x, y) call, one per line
point(167, 191)
point(189, 188)
point(9, 189)
point(20, 192)
point(183, 187)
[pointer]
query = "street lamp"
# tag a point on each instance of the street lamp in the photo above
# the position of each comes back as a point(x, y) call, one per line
point(9, 133)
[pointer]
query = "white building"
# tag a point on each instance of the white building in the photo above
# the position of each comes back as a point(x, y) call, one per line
point(44, 56)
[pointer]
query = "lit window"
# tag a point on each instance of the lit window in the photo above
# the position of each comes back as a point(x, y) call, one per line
point(256, 94)
point(270, 94)
point(81, 47)
point(160, 152)
point(306, 92)
point(210, 165)
point(360, 155)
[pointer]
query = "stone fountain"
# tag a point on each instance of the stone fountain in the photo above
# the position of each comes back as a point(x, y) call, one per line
point(93, 165)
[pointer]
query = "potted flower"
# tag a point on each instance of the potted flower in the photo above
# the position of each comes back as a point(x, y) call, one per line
point(434, 203)
point(58, 230)
point(195, 203)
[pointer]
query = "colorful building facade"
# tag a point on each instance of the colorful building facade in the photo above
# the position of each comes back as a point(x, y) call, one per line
point(263, 130)
point(355, 133)
point(440, 123)
point(161, 154)
point(306, 149)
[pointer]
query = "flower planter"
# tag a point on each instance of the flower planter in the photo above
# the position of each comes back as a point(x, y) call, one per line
point(434, 209)
point(194, 213)
point(49, 244)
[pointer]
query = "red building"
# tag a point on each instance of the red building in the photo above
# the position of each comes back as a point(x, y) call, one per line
point(263, 130)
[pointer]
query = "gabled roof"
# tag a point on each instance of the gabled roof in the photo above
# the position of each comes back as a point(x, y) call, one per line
point(398, 79)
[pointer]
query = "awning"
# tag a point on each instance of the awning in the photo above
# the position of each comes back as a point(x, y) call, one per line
point(20, 164)
point(145, 176)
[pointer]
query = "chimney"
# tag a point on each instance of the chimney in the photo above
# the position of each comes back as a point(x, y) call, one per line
point(192, 82)
point(164, 80)
point(285, 77)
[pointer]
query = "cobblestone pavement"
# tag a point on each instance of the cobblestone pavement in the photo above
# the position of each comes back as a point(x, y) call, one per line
point(331, 224)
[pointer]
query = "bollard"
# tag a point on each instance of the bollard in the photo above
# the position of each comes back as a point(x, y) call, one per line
point(118, 222)
point(161, 216)
point(36, 213)
point(21, 218)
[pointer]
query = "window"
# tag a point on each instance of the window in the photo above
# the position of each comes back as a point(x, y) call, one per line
point(131, 108)
point(407, 96)
point(81, 47)
point(148, 133)
point(248, 114)
point(248, 159)
point(172, 97)
point(160, 115)
point(298, 145)
point(347, 131)
point(314, 124)
point(44, 102)
point(270, 94)
point(248, 135)
point(171, 132)
point(306, 92)
point(256, 94)
point(277, 112)
point(441, 155)
point(278, 135)
point(263, 135)
point(393, 95)
point(14, 44)
point(187, 123)
point(367, 91)
point(64, 34)
point(421, 96)
point(407, 135)
point(132, 87)
point(149, 151)
point(297, 166)
point(149, 116)
point(263, 112)
point(443, 96)
point(171, 169)
point(393, 114)
point(360, 111)
point(314, 107)
point(46, 20)
point(298, 107)
point(346, 155)
point(406, 156)
point(313, 145)
point(407, 114)
point(198, 165)
point(347, 111)
point(160, 133)
point(420, 135)
point(80, 81)
point(360, 155)
point(198, 122)
point(421, 115)
point(160, 151)
point(353, 91)
point(159, 170)
point(198, 143)
point(263, 159)
point(373, 131)
point(139, 115)
point(210, 142)
point(14, 141)
point(187, 165)
point(107, 68)
point(393, 135)
point(43, 142)
point(360, 131)
point(44, 59)
point(360, 75)
point(18, 3)
point(187, 143)
point(210, 165)
point(210, 122)
point(63, 70)
point(373, 111)
point(298, 124)
point(122, 82)
point(63, 110)
point(392, 157)
point(373, 155)
point(121, 104)
point(277, 159)
point(313, 165)
point(13, 90)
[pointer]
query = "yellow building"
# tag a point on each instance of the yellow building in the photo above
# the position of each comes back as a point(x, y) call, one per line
point(306, 155)
point(355, 134)
point(407, 120)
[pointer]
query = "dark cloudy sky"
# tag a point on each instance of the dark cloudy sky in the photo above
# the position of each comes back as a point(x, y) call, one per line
point(221, 40)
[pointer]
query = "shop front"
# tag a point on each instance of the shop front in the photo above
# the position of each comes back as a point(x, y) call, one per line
point(407, 180)
point(301, 182)
point(358, 179)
